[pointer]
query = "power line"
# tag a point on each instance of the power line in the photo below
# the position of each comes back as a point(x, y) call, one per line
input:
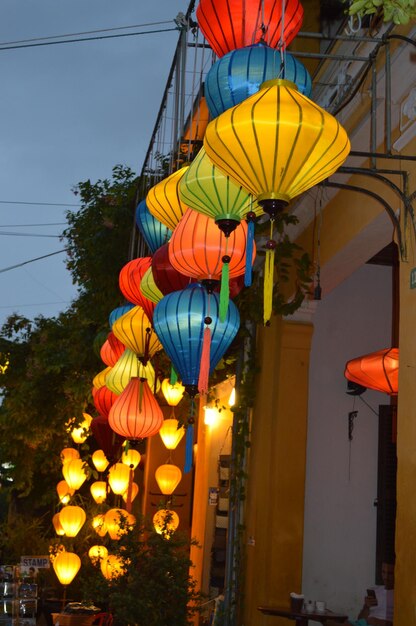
point(40, 203)
point(38, 258)
point(55, 43)
point(31, 225)
point(13, 306)
point(11, 234)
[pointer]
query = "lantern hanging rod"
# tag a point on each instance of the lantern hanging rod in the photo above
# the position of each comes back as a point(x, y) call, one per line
point(383, 155)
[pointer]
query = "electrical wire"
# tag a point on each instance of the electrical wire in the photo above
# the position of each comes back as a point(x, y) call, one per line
point(40, 203)
point(31, 225)
point(12, 234)
point(38, 258)
point(16, 306)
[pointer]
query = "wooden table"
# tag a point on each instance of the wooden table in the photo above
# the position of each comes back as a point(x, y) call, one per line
point(302, 617)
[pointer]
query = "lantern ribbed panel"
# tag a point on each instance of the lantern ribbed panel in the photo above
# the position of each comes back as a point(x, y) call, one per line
point(179, 324)
point(239, 74)
point(111, 350)
point(154, 232)
point(136, 413)
point(231, 24)
point(99, 380)
point(277, 143)
point(164, 202)
point(72, 519)
point(129, 281)
point(206, 189)
point(378, 370)
point(149, 288)
point(118, 312)
point(104, 400)
point(66, 566)
point(166, 277)
point(123, 371)
point(197, 247)
point(133, 328)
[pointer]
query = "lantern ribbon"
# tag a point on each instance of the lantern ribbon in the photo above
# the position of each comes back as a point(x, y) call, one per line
point(173, 375)
point(251, 216)
point(225, 288)
point(205, 360)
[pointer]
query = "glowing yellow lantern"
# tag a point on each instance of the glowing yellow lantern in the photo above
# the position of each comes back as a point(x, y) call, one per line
point(66, 566)
point(64, 492)
point(74, 473)
point(173, 393)
point(168, 477)
point(72, 519)
point(134, 492)
point(170, 433)
point(165, 522)
point(118, 522)
point(149, 288)
point(69, 454)
point(99, 525)
point(120, 374)
point(164, 201)
point(99, 491)
point(135, 331)
point(112, 566)
point(131, 458)
point(118, 478)
point(80, 433)
point(97, 553)
point(99, 380)
point(100, 460)
point(57, 525)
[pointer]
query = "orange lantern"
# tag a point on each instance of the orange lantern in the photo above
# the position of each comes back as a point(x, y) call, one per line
point(173, 393)
point(74, 473)
point(97, 553)
point(66, 566)
point(129, 281)
point(133, 494)
point(135, 331)
point(168, 477)
point(112, 567)
point(98, 524)
point(118, 522)
point(69, 454)
point(165, 522)
point(100, 460)
point(136, 413)
point(164, 201)
point(378, 370)
point(111, 350)
point(170, 433)
point(104, 399)
point(131, 458)
point(57, 525)
point(72, 519)
point(64, 492)
point(118, 478)
point(99, 491)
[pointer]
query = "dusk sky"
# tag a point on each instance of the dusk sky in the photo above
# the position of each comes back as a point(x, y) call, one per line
point(69, 113)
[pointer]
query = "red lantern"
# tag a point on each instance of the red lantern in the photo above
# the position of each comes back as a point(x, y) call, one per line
point(378, 370)
point(166, 277)
point(136, 414)
point(129, 282)
point(111, 350)
point(232, 24)
point(106, 437)
point(103, 400)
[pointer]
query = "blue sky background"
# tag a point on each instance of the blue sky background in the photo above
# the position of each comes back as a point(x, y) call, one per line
point(68, 113)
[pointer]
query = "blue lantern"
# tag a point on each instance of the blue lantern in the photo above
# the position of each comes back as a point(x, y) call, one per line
point(239, 74)
point(154, 232)
point(118, 312)
point(180, 321)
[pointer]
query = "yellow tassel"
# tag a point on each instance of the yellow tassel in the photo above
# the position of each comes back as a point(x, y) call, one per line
point(268, 286)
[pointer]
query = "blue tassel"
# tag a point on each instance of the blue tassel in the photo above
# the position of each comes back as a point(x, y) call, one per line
point(249, 253)
point(189, 448)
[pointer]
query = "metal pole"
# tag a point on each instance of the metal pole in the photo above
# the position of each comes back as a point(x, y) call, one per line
point(388, 98)
point(373, 138)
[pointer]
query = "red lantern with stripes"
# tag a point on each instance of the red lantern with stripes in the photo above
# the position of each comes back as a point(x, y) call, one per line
point(129, 282)
point(103, 400)
point(136, 413)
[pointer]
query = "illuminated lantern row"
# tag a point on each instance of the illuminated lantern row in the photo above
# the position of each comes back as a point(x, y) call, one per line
point(378, 370)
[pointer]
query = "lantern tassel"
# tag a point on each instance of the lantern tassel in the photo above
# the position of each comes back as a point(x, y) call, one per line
point(205, 362)
point(224, 292)
point(189, 448)
point(268, 286)
point(173, 375)
point(129, 491)
point(248, 274)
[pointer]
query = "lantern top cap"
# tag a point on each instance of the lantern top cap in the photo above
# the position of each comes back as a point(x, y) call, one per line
point(278, 82)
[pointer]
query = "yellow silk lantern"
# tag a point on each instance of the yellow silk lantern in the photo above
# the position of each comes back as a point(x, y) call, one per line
point(135, 331)
point(74, 473)
point(164, 202)
point(276, 144)
point(118, 522)
point(72, 519)
point(80, 433)
point(64, 492)
point(99, 525)
point(112, 566)
point(131, 458)
point(69, 454)
point(134, 492)
point(173, 393)
point(149, 288)
point(171, 434)
point(97, 553)
point(66, 566)
point(168, 477)
point(121, 373)
point(57, 525)
point(100, 460)
point(165, 522)
point(99, 380)
point(118, 478)
point(99, 491)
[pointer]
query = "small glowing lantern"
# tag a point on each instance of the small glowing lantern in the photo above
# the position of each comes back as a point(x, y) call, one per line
point(99, 525)
point(168, 477)
point(69, 454)
point(112, 567)
point(66, 566)
point(64, 492)
point(134, 492)
point(72, 519)
point(118, 522)
point(74, 473)
point(100, 460)
point(171, 434)
point(57, 525)
point(99, 491)
point(131, 458)
point(165, 522)
point(118, 478)
point(173, 393)
point(97, 553)
point(80, 434)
